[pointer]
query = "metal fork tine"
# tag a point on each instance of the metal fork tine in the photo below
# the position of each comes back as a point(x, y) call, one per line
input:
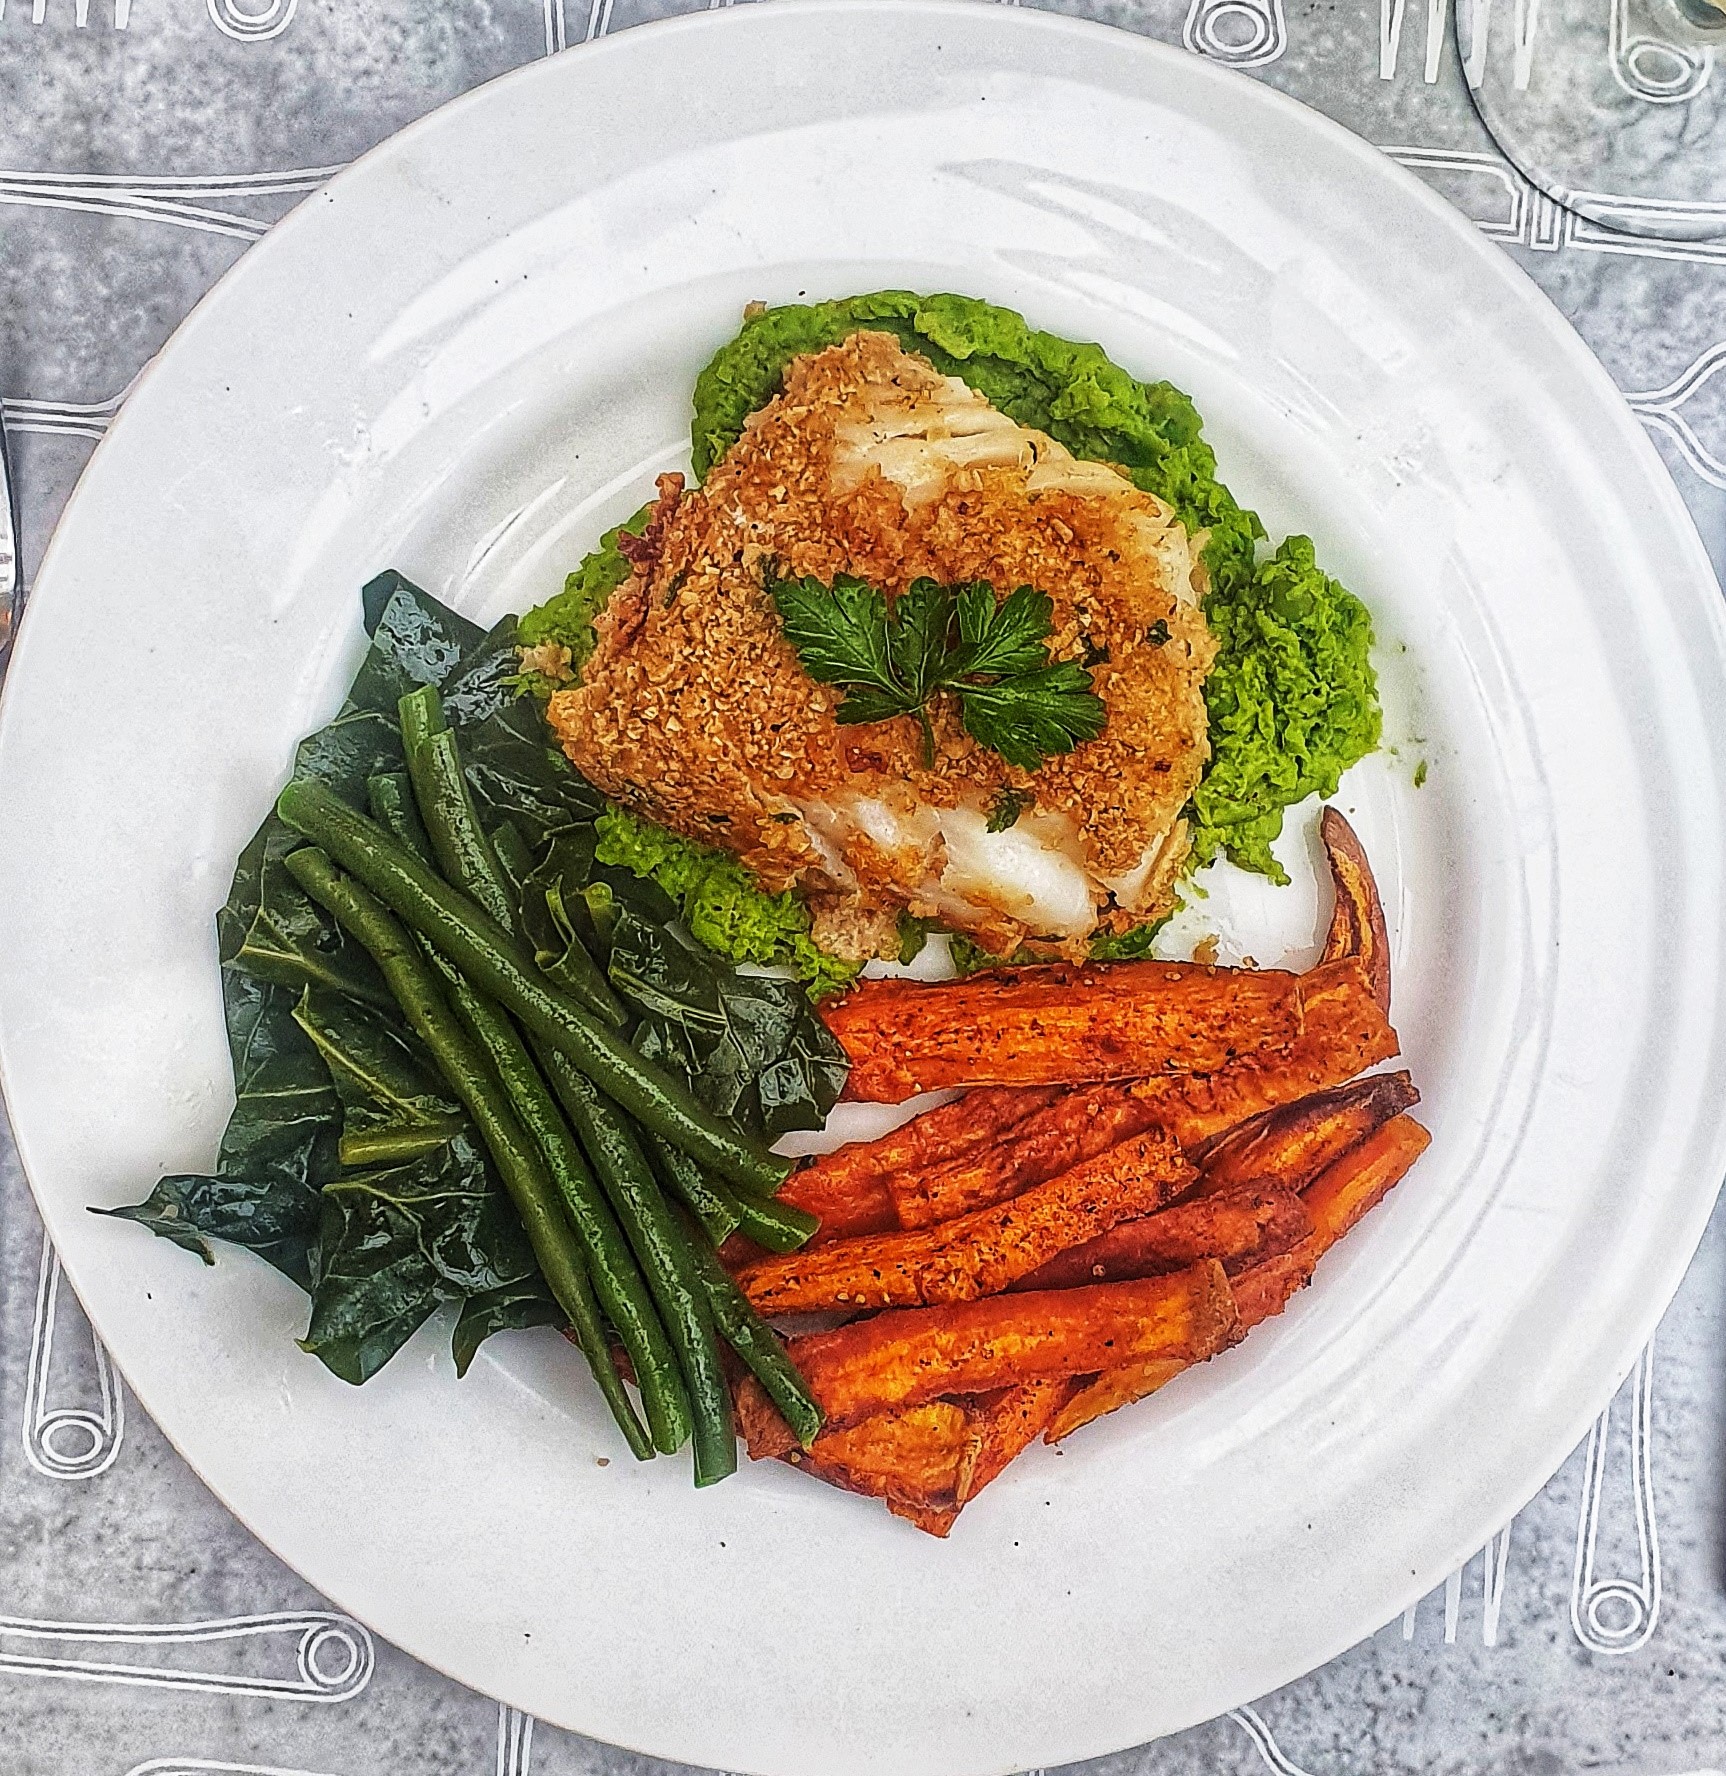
point(11, 561)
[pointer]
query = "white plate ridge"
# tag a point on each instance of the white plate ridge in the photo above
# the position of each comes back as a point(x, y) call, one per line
point(473, 350)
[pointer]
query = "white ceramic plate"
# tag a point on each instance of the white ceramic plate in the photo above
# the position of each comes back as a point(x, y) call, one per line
point(477, 346)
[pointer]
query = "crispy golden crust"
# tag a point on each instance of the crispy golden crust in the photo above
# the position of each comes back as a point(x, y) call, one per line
point(694, 711)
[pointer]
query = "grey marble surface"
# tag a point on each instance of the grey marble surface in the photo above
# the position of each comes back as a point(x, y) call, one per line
point(143, 145)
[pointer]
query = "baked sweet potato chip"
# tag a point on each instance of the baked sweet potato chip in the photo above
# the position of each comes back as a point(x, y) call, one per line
point(1344, 1031)
point(1002, 1426)
point(1289, 1146)
point(911, 1456)
point(926, 1462)
point(1094, 1395)
point(1075, 1127)
point(1242, 1224)
point(1061, 1024)
point(1336, 1201)
point(980, 1253)
point(1357, 925)
point(846, 1189)
point(908, 1356)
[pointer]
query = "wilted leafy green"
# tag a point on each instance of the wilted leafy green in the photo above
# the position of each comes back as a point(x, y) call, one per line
point(512, 1307)
point(394, 1107)
point(320, 1062)
point(346, 1164)
point(278, 1151)
point(399, 1241)
point(516, 770)
point(751, 1045)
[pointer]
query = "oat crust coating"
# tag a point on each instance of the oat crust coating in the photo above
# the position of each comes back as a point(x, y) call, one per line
point(694, 711)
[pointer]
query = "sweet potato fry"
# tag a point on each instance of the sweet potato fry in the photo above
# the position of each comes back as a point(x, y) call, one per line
point(926, 1462)
point(765, 1434)
point(1336, 1201)
point(913, 1455)
point(1288, 1147)
point(1001, 1427)
point(981, 1253)
point(1075, 1127)
point(1357, 925)
point(1060, 1024)
point(935, 1520)
point(846, 1189)
point(912, 1355)
point(910, 1460)
point(1344, 1032)
point(1247, 1223)
point(1098, 1394)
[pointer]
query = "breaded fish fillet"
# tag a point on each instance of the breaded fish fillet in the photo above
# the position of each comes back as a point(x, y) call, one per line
point(694, 711)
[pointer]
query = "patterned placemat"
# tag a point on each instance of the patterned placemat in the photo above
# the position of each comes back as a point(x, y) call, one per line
point(144, 144)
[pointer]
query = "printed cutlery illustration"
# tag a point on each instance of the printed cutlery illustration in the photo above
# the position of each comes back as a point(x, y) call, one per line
point(1618, 1615)
point(1645, 63)
point(514, 1741)
point(62, 419)
point(1662, 411)
point(1251, 1722)
point(122, 15)
point(73, 1427)
point(319, 1656)
point(1239, 33)
point(74, 1405)
point(1390, 24)
point(1494, 1567)
point(166, 198)
point(257, 23)
point(181, 1766)
point(11, 558)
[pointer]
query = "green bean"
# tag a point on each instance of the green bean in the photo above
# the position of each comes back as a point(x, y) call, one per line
point(494, 962)
point(468, 855)
point(663, 1247)
point(390, 796)
point(601, 904)
point(611, 1266)
point(459, 842)
point(573, 967)
point(616, 1280)
point(411, 979)
point(778, 1226)
point(711, 1204)
point(756, 1343)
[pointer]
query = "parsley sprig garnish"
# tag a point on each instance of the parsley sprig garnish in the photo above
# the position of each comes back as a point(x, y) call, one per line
point(990, 656)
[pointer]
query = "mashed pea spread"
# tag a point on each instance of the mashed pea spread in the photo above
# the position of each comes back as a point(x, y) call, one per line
point(1291, 696)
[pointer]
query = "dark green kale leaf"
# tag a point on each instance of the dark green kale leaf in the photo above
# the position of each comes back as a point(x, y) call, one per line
point(322, 1063)
point(515, 770)
point(511, 1307)
point(399, 1241)
point(750, 1045)
point(394, 1106)
point(277, 1153)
